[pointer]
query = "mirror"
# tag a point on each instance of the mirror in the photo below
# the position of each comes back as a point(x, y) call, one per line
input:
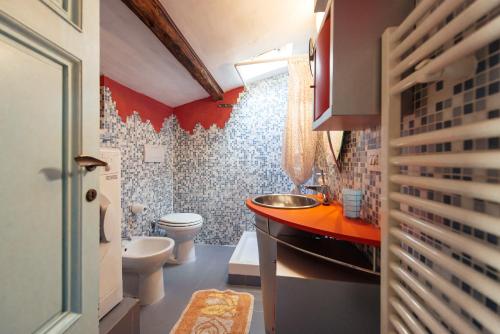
point(311, 55)
point(334, 141)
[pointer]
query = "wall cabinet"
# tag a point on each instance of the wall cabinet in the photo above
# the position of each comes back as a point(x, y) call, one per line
point(322, 69)
point(347, 62)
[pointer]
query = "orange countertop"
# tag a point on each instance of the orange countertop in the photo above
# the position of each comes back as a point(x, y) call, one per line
point(324, 220)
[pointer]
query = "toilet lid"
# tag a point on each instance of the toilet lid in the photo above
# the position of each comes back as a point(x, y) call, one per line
point(181, 219)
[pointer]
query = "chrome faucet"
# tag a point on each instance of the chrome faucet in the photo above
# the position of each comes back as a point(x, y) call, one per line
point(322, 189)
point(127, 235)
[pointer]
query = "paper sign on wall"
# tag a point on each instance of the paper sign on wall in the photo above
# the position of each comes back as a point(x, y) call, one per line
point(154, 153)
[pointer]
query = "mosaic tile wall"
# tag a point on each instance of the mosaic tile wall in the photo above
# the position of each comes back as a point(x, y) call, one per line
point(213, 171)
point(210, 172)
point(146, 183)
point(356, 170)
point(217, 169)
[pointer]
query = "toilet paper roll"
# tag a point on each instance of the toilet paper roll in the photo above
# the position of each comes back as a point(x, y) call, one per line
point(138, 208)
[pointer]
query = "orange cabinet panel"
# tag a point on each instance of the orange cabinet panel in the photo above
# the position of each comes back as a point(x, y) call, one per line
point(322, 70)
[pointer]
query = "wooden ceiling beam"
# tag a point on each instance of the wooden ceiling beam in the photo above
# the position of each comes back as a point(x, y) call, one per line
point(156, 18)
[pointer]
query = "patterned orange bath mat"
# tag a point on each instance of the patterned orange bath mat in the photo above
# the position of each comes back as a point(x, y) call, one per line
point(216, 312)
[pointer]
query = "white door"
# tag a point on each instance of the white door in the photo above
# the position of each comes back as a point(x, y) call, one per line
point(49, 110)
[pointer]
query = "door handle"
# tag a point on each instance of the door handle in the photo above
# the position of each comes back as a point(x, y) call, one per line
point(90, 163)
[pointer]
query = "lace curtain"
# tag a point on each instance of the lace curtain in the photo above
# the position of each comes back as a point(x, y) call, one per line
point(300, 141)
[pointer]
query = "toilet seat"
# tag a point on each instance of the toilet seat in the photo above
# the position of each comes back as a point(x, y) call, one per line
point(174, 220)
point(163, 224)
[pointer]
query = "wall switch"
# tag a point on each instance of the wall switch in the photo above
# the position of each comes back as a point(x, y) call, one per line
point(154, 153)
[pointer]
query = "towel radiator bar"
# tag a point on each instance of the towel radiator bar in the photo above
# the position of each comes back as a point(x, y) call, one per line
point(426, 287)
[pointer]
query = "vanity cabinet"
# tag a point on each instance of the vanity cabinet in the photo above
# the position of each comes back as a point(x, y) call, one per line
point(315, 296)
point(347, 62)
point(303, 292)
point(267, 265)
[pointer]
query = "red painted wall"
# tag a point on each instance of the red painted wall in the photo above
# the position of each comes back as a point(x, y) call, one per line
point(204, 111)
point(128, 101)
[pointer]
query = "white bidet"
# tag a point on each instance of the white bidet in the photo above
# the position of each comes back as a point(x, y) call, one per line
point(143, 259)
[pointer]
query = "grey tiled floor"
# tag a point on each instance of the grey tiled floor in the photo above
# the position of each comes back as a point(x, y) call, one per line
point(208, 272)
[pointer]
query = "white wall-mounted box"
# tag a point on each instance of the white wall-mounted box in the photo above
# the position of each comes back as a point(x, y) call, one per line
point(154, 153)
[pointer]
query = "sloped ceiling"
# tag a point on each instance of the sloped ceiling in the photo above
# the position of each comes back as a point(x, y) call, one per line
point(222, 33)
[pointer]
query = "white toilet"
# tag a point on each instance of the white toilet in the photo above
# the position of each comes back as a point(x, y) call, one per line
point(183, 228)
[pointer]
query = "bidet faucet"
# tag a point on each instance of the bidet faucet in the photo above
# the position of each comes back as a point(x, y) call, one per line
point(128, 235)
point(152, 231)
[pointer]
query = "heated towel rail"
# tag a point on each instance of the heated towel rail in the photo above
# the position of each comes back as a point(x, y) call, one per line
point(441, 171)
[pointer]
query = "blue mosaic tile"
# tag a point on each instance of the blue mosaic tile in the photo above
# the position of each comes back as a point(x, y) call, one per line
point(216, 170)
point(146, 183)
